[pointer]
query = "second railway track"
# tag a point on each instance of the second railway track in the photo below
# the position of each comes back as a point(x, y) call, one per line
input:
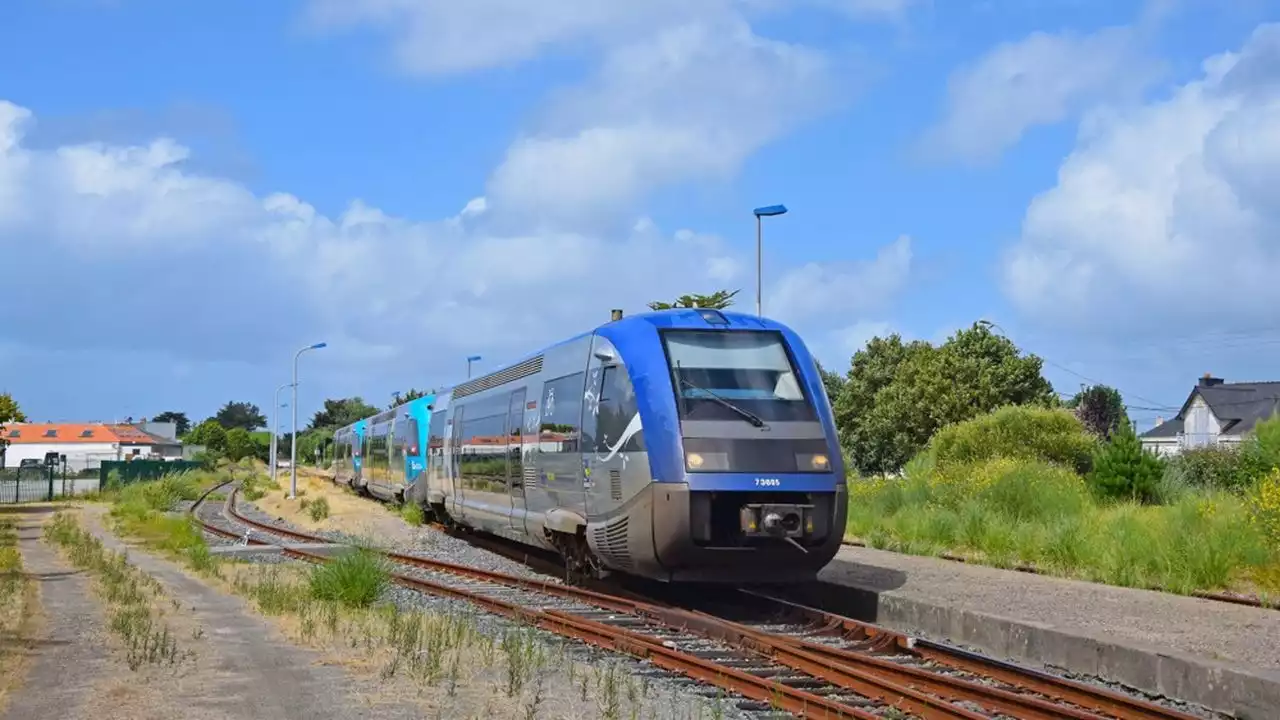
point(803, 661)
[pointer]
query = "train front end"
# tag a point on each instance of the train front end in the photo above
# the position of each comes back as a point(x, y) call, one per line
point(750, 482)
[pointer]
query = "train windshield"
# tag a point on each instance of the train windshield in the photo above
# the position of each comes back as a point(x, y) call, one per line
point(719, 375)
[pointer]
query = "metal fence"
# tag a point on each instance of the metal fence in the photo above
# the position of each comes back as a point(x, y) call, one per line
point(29, 484)
point(139, 470)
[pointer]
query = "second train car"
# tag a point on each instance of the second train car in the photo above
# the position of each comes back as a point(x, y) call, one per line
point(687, 445)
point(383, 455)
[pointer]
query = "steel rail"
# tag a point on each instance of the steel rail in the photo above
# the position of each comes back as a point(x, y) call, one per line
point(928, 694)
point(778, 695)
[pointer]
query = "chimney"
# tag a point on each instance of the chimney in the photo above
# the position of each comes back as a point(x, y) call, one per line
point(615, 315)
point(1208, 380)
point(1159, 421)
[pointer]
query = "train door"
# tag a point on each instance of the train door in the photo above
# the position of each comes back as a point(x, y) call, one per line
point(515, 461)
point(454, 503)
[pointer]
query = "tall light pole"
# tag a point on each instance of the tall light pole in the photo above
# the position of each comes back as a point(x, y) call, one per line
point(293, 441)
point(761, 213)
point(275, 430)
point(470, 360)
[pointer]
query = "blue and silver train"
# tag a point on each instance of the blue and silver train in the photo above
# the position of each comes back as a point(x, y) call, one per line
point(688, 445)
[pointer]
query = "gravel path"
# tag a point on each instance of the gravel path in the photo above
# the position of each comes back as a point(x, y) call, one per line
point(238, 666)
point(1236, 634)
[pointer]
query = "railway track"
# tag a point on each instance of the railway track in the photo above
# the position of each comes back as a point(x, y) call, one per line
point(803, 661)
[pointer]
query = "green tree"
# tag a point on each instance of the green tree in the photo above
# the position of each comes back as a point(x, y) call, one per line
point(399, 398)
point(240, 415)
point(1122, 469)
point(832, 382)
point(179, 420)
point(342, 412)
point(899, 394)
point(1100, 408)
point(210, 434)
point(9, 412)
point(239, 444)
point(719, 300)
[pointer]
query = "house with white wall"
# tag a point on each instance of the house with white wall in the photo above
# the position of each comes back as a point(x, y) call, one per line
point(86, 445)
point(1216, 413)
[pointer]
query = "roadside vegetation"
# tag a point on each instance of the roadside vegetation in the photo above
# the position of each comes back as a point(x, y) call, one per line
point(18, 605)
point(345, 607)
point(135, 600)
point(1032, 486)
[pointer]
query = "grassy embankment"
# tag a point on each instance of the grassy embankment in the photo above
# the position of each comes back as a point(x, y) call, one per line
point(19, 602)
point(1018, 487)
point(342, 607)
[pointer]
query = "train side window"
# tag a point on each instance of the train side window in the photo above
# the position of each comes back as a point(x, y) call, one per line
point(436, 429)
point(562, 413)
point(618, 407)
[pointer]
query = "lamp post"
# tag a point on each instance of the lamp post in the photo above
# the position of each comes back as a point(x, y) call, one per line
point(471, 359)
point(761, 213)
point(293, 444)
point(275, 430)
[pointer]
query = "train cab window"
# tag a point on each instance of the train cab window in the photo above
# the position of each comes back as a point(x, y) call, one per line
point(618, 409)
point(411, 438)
point(750, 370)
point(561, 414)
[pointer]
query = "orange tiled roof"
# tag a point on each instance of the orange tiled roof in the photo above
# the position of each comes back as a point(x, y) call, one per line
point(27, 433)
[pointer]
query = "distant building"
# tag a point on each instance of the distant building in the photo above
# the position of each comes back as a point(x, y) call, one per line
point(86, 445)
point(1216, 413)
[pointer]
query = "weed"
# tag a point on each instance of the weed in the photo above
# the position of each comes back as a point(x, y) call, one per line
point(318, 509)
point(355, 578)
point(412, 513)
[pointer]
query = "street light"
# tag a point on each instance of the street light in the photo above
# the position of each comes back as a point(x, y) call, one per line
point(763, 212)
point(275, 428)
point(470, 360)
point(293, 445)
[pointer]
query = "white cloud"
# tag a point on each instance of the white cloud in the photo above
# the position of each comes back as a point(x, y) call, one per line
point(1165, 215)
point(688, 103)
point(122, 250)
point(840, 289)
point(1039, 80)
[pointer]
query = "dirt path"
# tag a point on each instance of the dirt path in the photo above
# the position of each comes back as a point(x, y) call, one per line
point(242, 667)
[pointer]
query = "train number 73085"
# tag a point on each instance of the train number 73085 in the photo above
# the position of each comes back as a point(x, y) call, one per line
point(768, 482)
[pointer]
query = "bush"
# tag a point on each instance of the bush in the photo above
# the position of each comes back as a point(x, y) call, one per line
point(1264, 506)
point(1031, 433)
point(1122, 469)
point(1219, 468)
point(355, 578)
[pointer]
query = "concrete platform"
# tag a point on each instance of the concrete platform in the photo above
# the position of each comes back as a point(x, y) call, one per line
point(1222, 656)
point(251, 550)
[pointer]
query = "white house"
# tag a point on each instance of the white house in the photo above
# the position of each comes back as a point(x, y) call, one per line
point(86, 445)
point(1216, 413)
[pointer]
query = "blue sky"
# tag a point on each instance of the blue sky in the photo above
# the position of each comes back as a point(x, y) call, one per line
point(191, 191)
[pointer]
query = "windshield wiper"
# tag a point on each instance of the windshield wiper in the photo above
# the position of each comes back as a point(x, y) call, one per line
point(744, 414)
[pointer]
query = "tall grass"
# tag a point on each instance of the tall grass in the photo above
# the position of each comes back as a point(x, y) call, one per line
point(145, 511)
point(1007, 512)
point(356, 578)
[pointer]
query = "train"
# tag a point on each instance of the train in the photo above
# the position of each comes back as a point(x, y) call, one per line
point(689, 445)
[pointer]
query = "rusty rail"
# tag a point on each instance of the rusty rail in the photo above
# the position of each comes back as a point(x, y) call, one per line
point(1035, 695)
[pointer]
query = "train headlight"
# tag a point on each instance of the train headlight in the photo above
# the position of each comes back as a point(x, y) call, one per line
point(813, 462)
point(706, 461)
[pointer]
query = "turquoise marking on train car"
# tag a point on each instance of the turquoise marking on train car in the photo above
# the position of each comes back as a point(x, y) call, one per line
point(415, 448)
